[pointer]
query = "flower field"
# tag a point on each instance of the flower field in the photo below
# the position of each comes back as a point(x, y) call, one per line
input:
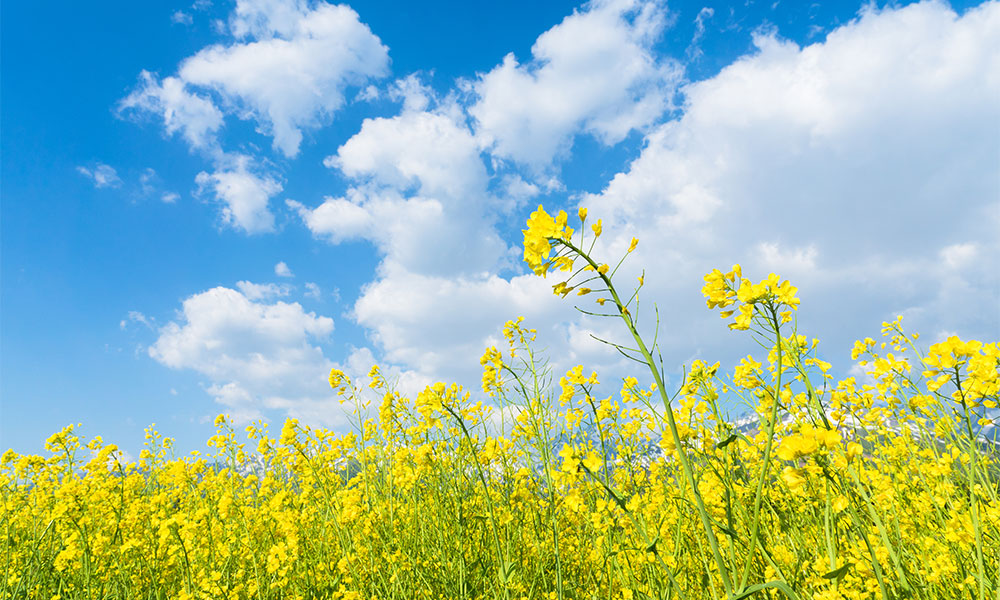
point(535, 487)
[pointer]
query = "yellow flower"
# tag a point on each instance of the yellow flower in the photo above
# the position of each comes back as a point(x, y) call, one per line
point(542, 228)
point(743, 319)
point(793, 478)
point(797, 446)
point(597, 228)
point(716, 290)
point(854, 449)
point(593, 462)
point(561, 289)
point(635, 242)
point(336, 378)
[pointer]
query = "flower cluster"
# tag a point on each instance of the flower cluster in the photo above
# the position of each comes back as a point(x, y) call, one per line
point(946, 359)
point(542, 230)
point(730, 289)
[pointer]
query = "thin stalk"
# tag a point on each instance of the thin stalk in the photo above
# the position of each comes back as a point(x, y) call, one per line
point(681, 453)
point(758, 493)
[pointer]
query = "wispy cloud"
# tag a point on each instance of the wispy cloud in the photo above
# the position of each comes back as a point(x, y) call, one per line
point(694, 51)
point(102, 176)
point(181, 18)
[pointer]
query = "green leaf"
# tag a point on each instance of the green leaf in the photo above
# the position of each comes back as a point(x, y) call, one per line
point(729, 440)
point(838, 573)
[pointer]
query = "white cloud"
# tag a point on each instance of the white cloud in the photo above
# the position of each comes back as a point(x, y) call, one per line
point(196, 117)
point(425, 151)
point(135, 316)
point(151, 185)
point(827, 164)
point(244, 194)
point(414, 94)
point(606, 86)
point(294, 74)
point(957, 256)
point(282, 270)
point(368, 94)
point(102, 176)
point(440, 325)
point(420, 195)
point(517, 191)
point(148, 181)
point(313, 290)
point(267, 18)
point(255, 355)
point(806, 161)
point(694, 51)
point(181, 18)
point(262, 291)
point(792, 262)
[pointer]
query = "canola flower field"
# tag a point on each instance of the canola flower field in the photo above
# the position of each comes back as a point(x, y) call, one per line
point(837, 490)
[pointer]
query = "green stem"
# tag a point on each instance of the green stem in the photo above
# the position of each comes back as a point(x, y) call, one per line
point(973, 477)
point(675, 434)
point(758, 493)
point(501, 560)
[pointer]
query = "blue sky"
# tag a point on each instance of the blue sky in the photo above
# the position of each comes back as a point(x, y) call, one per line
point(206, 206)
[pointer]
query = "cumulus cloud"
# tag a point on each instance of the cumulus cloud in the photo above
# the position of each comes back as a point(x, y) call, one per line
point(293, 73)
point(812, 161)
point(806, 161)
point(244, 194)
point(608, 86)
point(102, 176)
point(257, 354)
point(438, 326)
point(196, 117)
point(426, 322)
point(286, 70)
point(420, 195)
